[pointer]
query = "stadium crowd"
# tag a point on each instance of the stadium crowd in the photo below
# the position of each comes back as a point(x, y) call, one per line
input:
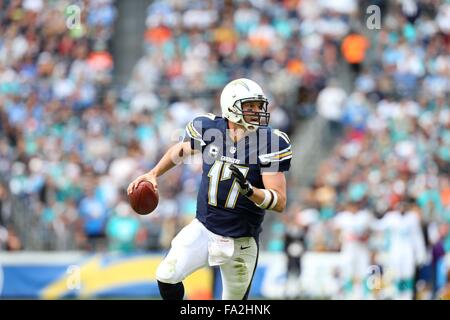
point(394, 151)
point(70, 143)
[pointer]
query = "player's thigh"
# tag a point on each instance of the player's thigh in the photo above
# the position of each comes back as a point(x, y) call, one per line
point(238, 273)
point(188, 252)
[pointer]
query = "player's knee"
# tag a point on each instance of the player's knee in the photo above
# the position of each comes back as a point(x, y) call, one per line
point(167, 272)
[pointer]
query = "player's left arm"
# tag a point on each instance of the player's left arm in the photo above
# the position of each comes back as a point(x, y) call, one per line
point(276, 183)
point(272, 197)
point(273, 166)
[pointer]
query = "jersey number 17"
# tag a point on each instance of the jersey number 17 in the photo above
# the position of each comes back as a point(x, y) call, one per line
point(220, 171)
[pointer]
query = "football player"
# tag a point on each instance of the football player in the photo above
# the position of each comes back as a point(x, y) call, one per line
point(354, 225)
point(406, 248)
point(244, 161)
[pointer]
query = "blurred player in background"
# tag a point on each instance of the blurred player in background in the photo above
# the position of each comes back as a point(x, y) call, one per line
point(406, 248)
point(243, 175)
point(294, 247)
point(354, 225)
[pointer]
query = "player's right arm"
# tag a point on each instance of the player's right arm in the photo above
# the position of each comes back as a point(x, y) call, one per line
point(171, 158)
point(192, 143)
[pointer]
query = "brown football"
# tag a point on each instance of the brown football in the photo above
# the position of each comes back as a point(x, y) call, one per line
point(144, 198)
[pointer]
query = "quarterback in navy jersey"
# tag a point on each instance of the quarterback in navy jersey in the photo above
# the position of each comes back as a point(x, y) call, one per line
point(243, 162)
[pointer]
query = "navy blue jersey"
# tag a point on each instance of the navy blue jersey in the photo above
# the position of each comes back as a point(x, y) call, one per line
point(220, 206)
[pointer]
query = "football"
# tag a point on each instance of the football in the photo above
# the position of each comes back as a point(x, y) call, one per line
point(144, 198)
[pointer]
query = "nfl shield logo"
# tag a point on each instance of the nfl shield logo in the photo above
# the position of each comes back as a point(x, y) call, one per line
point(214, 151)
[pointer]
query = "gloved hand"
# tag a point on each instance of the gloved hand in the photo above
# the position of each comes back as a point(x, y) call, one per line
point(245, 187)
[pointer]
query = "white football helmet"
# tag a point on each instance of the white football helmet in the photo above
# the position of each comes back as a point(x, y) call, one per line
point(237, 92)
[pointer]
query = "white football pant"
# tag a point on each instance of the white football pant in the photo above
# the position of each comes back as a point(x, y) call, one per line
point(189, 252)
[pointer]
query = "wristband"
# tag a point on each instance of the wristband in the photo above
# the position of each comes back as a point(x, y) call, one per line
point(268, 199)
point(273, 204)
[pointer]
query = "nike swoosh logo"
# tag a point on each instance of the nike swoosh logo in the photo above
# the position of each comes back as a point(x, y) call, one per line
point(243, 248)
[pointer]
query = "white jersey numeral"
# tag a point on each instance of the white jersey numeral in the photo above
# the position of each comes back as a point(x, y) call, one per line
point(220, 171)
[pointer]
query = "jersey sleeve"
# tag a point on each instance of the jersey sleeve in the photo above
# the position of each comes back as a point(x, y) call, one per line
point(278, 159)
point(195, 129)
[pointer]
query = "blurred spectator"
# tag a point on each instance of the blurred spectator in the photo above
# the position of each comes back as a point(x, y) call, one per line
point(330, 103)
point(94, 216)
point(11, 239)
point(354, 48)
point(122, 229)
